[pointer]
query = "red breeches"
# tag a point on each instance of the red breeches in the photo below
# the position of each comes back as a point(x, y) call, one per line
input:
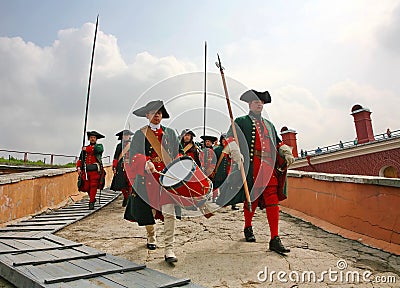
point(91, 183)
point(270, 196)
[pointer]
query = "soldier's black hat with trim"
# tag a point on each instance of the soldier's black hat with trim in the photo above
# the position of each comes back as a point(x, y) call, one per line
point(156, 105)
point(187, 131)
point(252, 95)
point(223, 136)
point(124, 132)
point(95, 133)
point(211, 138)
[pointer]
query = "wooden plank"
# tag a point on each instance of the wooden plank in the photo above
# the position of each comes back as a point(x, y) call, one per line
point(112, 262)
point(6, 248)
point(175, 283)
point(33, 275)
point(158, 278)
point(69, 213)
point(52, 215)
point(38, 223)
point(92, 274)
point(143, 278)
point(41, 249)
point(57, 260)
point(64, 269)
point(25, 229)
point(16, 243)
point(18, 235)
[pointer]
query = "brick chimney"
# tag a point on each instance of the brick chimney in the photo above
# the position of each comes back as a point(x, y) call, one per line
point(289, 138)
point(362, 120)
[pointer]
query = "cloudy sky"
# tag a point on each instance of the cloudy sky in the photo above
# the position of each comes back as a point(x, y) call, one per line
point(316, 58)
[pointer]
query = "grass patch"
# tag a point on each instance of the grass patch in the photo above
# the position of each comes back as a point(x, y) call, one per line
point(40, 163)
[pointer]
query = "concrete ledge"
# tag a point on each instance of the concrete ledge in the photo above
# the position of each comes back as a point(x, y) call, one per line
point(29, 193)
point(365, 205)
point(360, 179)
point(16, 177)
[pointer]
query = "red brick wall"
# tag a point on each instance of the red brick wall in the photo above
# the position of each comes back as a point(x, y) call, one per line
point(369, 164)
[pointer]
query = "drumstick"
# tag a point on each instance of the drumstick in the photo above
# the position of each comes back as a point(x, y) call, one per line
point(171, 177)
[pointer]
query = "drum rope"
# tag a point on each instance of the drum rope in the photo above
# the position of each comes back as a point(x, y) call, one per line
point(190, 189)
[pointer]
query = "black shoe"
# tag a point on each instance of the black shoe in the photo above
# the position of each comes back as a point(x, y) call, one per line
point(248, 233)
point(124, 202)
point(151, 246)
point(233, 207)
point(170, 259)
point(277, 246)
point(91, 205)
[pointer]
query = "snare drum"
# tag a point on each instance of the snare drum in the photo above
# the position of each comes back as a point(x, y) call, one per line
point(182, 177)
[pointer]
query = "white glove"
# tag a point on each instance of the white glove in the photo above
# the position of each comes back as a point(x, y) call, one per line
point(234, 152)
point(149, 167)
point(286, 152)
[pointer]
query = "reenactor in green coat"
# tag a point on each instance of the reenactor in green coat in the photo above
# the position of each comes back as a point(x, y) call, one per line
point(266, 158)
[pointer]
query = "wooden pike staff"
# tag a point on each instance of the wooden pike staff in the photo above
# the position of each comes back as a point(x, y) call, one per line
point(90, 81)
point(87, 102)
point(205, 89)
point(228, 102)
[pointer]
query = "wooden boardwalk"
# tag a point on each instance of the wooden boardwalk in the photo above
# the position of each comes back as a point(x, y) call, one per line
point(31, 256)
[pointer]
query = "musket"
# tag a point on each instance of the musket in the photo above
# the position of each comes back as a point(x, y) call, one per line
point(88, 91)
point(228, 102)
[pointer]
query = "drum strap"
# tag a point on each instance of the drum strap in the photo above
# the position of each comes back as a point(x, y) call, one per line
point(126, 148)
point(155, 143)
point(187, 147)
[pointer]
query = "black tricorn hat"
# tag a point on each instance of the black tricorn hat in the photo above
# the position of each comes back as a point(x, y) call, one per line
point(124, 132)
point(251, 95)
point(187, 131)
point(156, 105)
point(95, 133)
point(223, 136)
point(211, 138)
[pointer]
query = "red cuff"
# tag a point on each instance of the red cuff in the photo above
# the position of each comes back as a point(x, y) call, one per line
point(78, 163)
point(115, 163)
point(230, 139)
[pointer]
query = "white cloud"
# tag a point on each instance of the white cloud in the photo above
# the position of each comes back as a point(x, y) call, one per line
point(382, 103)
point(44, 89)
point(317, 59)
point(389, 30)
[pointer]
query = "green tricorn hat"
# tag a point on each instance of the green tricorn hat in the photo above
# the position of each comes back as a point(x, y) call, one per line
point(156, 105)
point(252, 95)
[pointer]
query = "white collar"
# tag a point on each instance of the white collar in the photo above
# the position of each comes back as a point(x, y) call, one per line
point(154, 127)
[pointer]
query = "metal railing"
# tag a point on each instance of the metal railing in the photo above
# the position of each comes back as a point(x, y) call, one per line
point(345, 145)
point(54, 159)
